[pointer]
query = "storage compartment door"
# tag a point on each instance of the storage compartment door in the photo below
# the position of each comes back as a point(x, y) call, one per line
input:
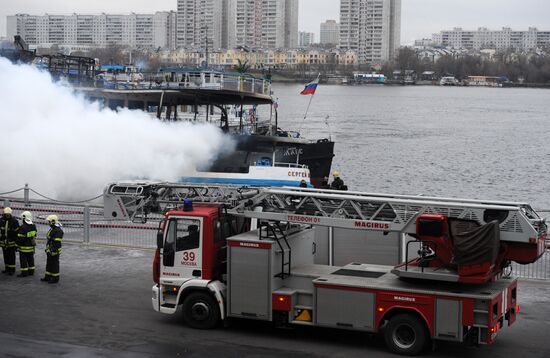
point(448, 322)
point(249, 283)
point(345, 309)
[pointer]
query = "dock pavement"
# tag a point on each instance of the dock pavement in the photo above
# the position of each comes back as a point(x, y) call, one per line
point(102, 308)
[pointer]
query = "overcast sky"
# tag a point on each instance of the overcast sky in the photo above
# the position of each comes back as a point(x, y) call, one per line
point(420, 18)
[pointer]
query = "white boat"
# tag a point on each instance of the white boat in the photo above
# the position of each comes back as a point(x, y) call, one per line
point(448, 81)
point(262, 173)
point(368, 78)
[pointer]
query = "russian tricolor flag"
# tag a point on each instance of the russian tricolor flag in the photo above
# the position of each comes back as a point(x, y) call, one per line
point(310, 87)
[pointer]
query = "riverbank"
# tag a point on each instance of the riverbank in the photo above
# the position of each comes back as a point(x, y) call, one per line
point(333, 80)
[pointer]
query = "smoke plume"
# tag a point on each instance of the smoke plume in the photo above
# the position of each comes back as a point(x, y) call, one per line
point(67, 147)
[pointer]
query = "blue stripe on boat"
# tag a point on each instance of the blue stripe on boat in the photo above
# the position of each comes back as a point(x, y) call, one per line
point(248, 182)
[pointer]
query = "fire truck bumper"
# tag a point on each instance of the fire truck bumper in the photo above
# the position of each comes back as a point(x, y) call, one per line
point(155, 298)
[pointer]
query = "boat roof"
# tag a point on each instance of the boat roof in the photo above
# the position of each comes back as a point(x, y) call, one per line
point(183, 96)
point(188, 87)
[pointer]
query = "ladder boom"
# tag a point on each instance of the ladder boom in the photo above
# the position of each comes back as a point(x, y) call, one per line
point(351, 210)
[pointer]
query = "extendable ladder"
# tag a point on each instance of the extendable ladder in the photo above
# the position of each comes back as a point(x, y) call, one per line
point(343, 209)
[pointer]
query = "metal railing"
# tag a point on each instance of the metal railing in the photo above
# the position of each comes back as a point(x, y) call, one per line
point(185, 80)
point(290, 165)
point(82, 222)
point(539, 270)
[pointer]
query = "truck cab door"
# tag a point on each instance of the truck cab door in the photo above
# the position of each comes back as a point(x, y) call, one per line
point(181, 254)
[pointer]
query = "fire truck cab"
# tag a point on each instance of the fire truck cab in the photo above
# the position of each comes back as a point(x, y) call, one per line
point(189, 262)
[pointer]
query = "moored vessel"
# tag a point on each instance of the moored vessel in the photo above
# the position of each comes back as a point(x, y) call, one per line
point(241, 105)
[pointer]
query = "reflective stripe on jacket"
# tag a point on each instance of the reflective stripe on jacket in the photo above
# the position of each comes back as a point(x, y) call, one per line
point(54, 243)
point(8, 231)
point(25, 237)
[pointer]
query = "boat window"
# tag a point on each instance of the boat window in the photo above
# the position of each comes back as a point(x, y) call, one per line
point(263, 162)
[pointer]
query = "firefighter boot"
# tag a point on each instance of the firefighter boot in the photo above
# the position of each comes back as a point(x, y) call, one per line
point(54, 279)
point(23, 274)
point(46, 278)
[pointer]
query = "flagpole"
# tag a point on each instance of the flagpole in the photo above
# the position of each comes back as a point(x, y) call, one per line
point(307, 110)
point(311, 98)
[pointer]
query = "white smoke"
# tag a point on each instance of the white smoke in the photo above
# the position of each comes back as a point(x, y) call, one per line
point(68, 147)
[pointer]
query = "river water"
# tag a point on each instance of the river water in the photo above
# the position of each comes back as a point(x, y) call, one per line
point(484, 143)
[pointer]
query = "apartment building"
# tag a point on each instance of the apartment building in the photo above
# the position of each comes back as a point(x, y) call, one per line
point(372, 28)
point(291, 23)
point(261, 23)
point(305, 39)
point(201, 24)
point(330, 32)
point(83, 32)
point(245, 23)
point(198, 23)
point(500, 40)
point(273, 23)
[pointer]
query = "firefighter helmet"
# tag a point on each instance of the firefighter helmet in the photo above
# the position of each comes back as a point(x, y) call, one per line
point(336, 173)
point(52, 219)
point(7, 211)
point(26, 215)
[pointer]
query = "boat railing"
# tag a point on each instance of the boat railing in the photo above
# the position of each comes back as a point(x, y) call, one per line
point(290, 165)
point(187, 80)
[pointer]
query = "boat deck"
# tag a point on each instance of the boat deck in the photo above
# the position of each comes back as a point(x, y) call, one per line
point(176, 96)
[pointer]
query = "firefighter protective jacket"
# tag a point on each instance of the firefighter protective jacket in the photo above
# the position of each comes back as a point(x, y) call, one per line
point(26, 236)
point(8, 231)
point(55, 236)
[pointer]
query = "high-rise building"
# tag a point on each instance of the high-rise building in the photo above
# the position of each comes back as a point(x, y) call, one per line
point(395, 28)
point(84, 32)
point(273, 23)
point(261, 23)
point(306, 38)
point(483, 38)
point(164, 29)
point(199, 22)
point(330, 32)
point(247, 23)
point(372, 28)
point(229, 24)
point(291, 24)
point(279, 24)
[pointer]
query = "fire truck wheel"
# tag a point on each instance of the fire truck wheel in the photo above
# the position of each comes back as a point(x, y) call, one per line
point(201, 311)
point(405, 334)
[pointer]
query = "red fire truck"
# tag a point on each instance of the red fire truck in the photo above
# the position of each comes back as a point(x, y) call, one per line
point(248, 253)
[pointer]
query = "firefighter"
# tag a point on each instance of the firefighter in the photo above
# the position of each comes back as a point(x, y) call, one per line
point(324, 183)
point(337, 182)
point(8, 236)
point(53, 250)
point(26, 241)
